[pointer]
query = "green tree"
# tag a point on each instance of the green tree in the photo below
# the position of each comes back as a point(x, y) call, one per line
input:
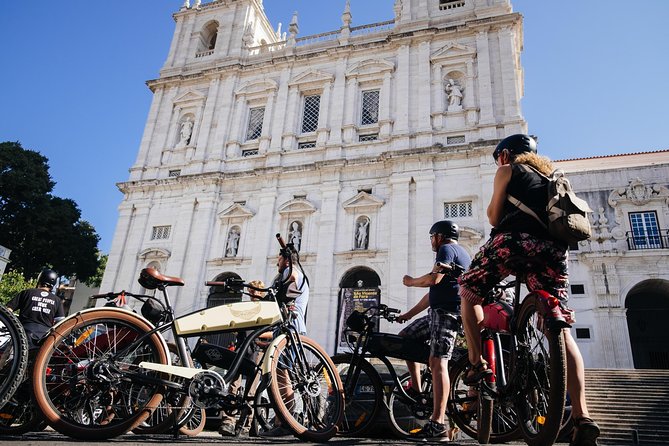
point(96, 280)
point(41, 229)
point(13, 283)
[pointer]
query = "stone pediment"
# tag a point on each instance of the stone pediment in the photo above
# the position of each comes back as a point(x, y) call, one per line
point(370, 67)
point(453, 51)
point(257, 87)
point(154, 253)
point(190, 97)
point(297, 206)
point(236, 211)
point(311, 77)
point(363, 201)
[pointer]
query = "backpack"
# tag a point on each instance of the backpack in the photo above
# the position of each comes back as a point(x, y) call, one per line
point(567, 214)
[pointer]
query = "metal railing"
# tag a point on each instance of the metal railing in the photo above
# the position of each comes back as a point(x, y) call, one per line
point(648, 241)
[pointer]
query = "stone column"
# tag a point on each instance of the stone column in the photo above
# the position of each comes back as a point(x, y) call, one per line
point(148, 137)
point(174, 45)
point(437, 98)
point(118, 253)
point(485, 85)
point(189, 43)
point(398, 252)
point(323, 130)
point(424, 136)
point(281, 106)
point(264, 245)
point(424, 217)
point(289, 137)
point(510, 74)
point(402, 97)
point(338, 96)
point(349, 110)
point(138, 230)
point(202, 145)
point(265, 135)
point(232, 149)
point(385, 121)
point(223, 117)
point(469, 100)
point(322, 302)
point(195, 256)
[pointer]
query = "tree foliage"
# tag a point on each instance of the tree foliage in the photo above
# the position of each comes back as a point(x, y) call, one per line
point(96, 280)
point(41, 229)
point(13, 283)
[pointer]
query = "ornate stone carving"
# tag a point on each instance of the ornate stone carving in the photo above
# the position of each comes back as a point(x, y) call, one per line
point(455, 94)
point(233, 242)
point(185, 133)
point(362, 233)
point(638, 193)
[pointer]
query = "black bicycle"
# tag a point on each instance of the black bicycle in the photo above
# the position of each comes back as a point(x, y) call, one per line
point(13, 354)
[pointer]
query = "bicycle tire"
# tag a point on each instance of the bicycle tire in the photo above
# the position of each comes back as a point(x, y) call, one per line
point(20, 415)
point(73, 398)
point(307, 397)
point(405, 418)
point(364, 402)
point(14, 354)
point(484, 417)
point(541, 401)
point(189, 419)
point(463, 408)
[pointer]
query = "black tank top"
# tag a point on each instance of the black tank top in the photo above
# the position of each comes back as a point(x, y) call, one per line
point(531, 189)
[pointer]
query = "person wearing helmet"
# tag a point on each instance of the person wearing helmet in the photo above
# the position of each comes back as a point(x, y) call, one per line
point(38, 308)
point(441, 324)
point(516, 233)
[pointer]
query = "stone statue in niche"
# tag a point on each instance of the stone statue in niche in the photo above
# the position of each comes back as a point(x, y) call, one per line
point(185, 133)
point(362, 234)
point(454, 92)
point(295, 234)
point(233, 242)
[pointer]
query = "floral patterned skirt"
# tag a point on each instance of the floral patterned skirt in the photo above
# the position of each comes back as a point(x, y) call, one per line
point(487, 268)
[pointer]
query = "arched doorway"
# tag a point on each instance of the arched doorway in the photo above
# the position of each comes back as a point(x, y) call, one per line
point(221, 296)
point(647, 306)
point(359, 289)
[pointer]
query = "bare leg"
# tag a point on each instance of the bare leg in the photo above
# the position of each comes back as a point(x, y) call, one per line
point(472, 316)
point(440, 387)
point(414, 371)
point(575, 377)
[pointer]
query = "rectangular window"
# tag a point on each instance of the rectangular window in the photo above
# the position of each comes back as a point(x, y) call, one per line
point(312, 106)
point(306, 145)
point(577, 289)
point(459, 139)
point(370, 107)
point(249, 152)
point(582, 333)
point(160, 232)
point(174, 173)
point(645, 230)
point(450, 4)
point(371, 137)
point(254, 128)
point(458, 209)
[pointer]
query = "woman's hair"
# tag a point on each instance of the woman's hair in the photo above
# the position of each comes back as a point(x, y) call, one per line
point(541, 163)
point(257, 284)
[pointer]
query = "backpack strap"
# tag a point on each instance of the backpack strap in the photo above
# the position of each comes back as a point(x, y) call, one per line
point(519, 204)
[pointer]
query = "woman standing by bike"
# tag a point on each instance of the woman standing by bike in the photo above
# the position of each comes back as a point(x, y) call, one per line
point(516, 233)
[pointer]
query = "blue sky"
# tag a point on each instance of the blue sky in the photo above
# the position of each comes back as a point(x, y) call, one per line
point(72, 79)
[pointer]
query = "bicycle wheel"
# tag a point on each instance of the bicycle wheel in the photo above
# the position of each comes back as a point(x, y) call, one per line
point(86, 377)
point(541, 371)
point(405, 416)
point(364, 398)
point(20, 414)
point(463, 407)
point(176, 409)
point(13, 354)
point(307, 396)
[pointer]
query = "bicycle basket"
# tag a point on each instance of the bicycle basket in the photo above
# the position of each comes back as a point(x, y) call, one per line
point(356, 321)
point(152, 310)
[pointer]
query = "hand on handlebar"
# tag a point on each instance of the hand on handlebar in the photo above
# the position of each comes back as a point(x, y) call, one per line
point(402, 318)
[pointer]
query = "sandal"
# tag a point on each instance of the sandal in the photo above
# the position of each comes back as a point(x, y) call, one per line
point(477, 373)
point(586, 432)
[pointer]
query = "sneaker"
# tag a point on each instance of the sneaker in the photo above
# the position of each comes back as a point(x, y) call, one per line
point(227, 430)
point(586, 432)
point(432, 431)
point(276, 431)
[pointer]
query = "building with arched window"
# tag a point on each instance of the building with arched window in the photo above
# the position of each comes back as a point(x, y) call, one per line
point(351, 143)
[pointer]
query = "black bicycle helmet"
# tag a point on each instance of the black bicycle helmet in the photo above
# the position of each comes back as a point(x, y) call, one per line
point(48, 278)
point(446, 228)
point(516, 144)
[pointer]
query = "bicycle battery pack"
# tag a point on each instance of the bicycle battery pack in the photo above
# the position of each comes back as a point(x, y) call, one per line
point(230, 317)
point(394, 346)
point(221, 357)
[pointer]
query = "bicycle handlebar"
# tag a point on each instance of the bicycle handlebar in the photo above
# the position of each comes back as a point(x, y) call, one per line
point(112, 295)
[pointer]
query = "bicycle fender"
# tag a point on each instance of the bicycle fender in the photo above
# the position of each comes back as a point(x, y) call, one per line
point(139, 317)
point(269, 354)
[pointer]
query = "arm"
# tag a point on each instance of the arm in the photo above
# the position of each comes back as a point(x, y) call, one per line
point(422, 304)
point(496, 206)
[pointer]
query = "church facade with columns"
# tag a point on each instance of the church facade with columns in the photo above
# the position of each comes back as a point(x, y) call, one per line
point(350, 144)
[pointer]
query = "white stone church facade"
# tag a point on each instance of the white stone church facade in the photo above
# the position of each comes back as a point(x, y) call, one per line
point(352, 143)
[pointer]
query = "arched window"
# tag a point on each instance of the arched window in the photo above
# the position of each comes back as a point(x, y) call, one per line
point(208, 37)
